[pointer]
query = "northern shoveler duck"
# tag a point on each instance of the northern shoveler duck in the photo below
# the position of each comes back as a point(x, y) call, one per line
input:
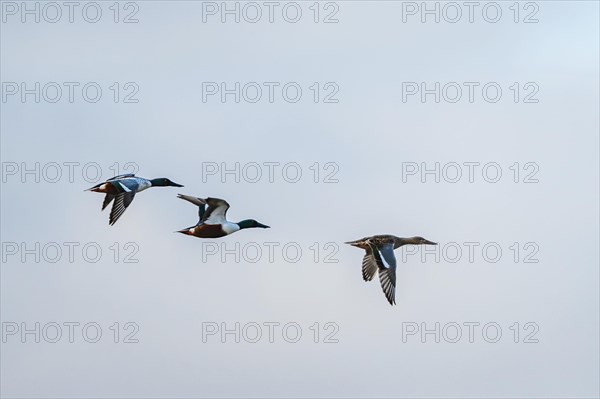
point(213, 222)
point(122, 189)
point(380, 257)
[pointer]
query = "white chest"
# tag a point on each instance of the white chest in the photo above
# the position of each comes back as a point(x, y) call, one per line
point(229, 227)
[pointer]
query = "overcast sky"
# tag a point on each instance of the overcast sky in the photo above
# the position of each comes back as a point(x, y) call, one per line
point(366, 141)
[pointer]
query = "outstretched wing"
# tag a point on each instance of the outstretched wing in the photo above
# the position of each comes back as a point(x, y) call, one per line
point(386, 264)
point(107, 200)
point(122, 176)
point(121, 203)
point(216, 213)
point(201, 203)
point(369, 266)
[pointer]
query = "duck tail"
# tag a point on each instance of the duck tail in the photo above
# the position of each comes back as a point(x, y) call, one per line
point(188, 231)
point(96, 188)
point(354, 243)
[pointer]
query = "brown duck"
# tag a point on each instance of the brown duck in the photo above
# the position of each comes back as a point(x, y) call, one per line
point(380, 257)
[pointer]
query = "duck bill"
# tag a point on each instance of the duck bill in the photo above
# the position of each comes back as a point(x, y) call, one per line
point(185, 231)
point(430, 242)
point(173, 184)
point(264, 226)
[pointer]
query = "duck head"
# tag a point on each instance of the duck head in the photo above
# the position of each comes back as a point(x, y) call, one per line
point(250, 223)
point(164, 182)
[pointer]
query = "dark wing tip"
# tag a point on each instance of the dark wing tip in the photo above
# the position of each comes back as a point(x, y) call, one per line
point(121, 203)
point(387, 278)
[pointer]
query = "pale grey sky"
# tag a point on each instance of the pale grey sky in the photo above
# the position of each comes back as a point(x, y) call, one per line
point(367, 139)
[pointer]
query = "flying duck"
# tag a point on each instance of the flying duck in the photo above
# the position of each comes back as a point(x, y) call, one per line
point(380, 258)
point(213, 222)
point(122, 189)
